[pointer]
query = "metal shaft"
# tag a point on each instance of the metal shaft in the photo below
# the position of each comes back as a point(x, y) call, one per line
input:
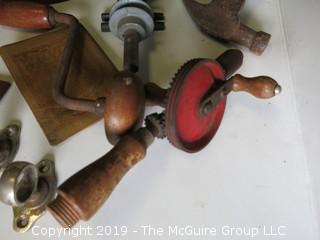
point(131, 51)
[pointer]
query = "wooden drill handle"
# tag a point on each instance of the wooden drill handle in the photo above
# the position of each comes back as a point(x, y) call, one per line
point(260, 87)
point(24, 15)
point(80, 197)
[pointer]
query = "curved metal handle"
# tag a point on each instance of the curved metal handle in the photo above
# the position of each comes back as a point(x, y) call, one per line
point(261, 87)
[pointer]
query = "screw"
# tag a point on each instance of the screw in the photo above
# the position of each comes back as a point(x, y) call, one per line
point(13, 130)
point(44, 167)
point(207, 108)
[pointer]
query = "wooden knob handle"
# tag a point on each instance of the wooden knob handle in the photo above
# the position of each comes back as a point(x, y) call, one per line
point(260, 87)
point(84, 193)
point(24, 15)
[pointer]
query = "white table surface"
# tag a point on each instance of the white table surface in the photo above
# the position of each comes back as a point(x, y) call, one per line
point(261, 169)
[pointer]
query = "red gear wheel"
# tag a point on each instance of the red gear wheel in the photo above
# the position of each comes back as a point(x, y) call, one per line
point(186, 127)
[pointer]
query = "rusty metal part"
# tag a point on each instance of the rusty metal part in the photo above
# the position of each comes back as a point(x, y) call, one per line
point(28, 188)
point(4, 86)
point(220, 19)
point(9, 144)
point(157, 125)
point(71, 206)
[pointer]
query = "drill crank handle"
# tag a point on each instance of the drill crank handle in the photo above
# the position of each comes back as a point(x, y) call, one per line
point(261, 87)
point(81, 196)
point(25, 15)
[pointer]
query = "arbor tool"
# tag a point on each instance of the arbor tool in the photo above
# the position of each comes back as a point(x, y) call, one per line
point(4, 86)
point(194, 106)
point(220, 19)
point(28, 188)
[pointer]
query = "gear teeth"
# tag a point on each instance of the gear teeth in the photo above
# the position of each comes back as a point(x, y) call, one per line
point(182, 71)
point(176, 77)
point(156, 122)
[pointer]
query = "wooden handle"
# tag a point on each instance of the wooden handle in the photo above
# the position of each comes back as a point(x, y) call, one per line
point(231, 60)
point(83, 194)
point(24, 15)
point(260, 87)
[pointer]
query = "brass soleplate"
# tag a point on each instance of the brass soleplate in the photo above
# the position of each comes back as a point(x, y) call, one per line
point(34, 62)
